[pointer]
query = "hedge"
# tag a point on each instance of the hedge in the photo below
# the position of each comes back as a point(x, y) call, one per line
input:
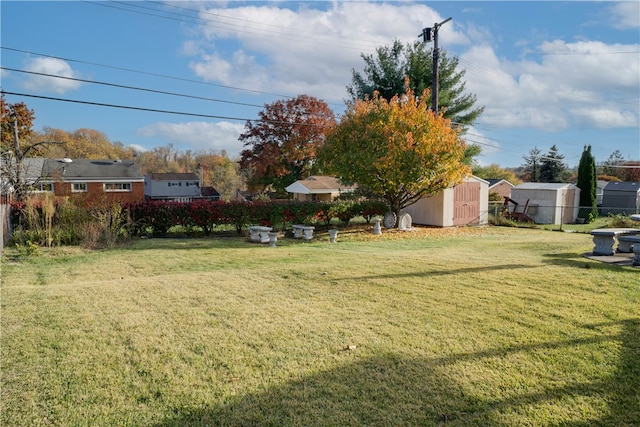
point(157, 217)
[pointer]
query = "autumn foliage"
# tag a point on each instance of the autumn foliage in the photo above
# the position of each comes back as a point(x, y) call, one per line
point(399, 149)
point(281, 146)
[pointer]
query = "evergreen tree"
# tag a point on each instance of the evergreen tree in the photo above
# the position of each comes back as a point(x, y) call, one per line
point(587, 182)
point(611, 166)
point(532, 164)
point(386, 72)
point(552, 169)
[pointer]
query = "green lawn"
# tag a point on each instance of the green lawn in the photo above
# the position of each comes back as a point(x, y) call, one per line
point(487, 327)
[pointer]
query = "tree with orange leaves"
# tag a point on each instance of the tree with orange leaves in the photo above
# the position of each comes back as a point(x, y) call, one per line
point(16, 146)
point(398, 150)
point(284, 141)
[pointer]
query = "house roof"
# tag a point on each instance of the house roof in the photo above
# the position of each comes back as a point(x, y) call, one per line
point(188, 176)
point(628, 186)
point(31, 167)
point(209, 192)
point(92, 170)
point(495, 181)
point(318, 184)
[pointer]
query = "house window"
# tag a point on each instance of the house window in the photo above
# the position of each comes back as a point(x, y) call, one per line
point(79, 187)
point(42, 186)
point(117, 186)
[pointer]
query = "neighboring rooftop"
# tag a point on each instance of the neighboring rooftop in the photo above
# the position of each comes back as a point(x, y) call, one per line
point(91, 169)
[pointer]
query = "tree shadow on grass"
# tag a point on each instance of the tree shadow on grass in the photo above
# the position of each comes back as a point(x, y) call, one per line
point(391, 389)
point(581, 261)
point(443, 272)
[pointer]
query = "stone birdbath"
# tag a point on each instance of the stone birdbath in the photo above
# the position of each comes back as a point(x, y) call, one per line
point(376, 228)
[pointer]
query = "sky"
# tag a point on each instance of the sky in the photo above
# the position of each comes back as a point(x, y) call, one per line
point(191, 73)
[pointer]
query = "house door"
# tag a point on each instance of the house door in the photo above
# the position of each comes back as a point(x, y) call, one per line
point(466, 204)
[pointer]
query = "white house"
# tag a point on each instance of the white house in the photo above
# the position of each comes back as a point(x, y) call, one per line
point(318, 188)
point(464, 204)
point(548, 203)
point(179, 187)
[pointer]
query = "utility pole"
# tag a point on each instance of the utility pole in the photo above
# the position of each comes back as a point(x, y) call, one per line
point(18, 156)
point(427, 35)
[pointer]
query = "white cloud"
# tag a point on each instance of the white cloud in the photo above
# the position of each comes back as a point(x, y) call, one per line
point(137, 148)
point(489, 147)
point(51, 66)
point(197, 135)
point(556, 85)
point(570, 85)
point(604, 118)
point(625, 14)
point(308, 50)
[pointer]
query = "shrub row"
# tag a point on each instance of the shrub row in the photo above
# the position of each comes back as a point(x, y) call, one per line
point(157, 217)
point(49, 221)
point(54, 223)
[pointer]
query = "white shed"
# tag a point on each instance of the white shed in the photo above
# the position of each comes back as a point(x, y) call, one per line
point(548, 203)
point(464, 204)
point(621, 198)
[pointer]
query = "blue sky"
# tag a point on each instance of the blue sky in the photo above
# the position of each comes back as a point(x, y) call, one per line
point(563, 73)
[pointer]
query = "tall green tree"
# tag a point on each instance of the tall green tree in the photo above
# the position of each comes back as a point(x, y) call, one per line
point(587, 182)
point(386, 71)
point(552, 168)
point(281, 146)
point(398, 150)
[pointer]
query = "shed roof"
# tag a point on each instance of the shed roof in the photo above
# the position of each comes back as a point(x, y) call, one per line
point(553, 186)
point(628, 186)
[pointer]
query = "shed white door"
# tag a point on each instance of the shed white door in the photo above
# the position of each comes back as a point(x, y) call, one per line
point(466, 204)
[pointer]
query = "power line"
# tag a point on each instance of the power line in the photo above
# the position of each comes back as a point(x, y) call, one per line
point(154, 110)
point(100, 104)
point(130, 70)
point(130, 87)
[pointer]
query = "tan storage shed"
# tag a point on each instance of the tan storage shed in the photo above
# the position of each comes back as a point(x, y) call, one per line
point(464, 204)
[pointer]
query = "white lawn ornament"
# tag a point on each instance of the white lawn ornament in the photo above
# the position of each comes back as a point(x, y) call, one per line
point(389, 220)
point(405, 222)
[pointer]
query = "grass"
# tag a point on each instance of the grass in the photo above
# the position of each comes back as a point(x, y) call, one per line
point(492, 326)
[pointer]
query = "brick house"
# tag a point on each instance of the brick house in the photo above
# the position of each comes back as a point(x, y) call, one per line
point(93, 180)
point(501, 187)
